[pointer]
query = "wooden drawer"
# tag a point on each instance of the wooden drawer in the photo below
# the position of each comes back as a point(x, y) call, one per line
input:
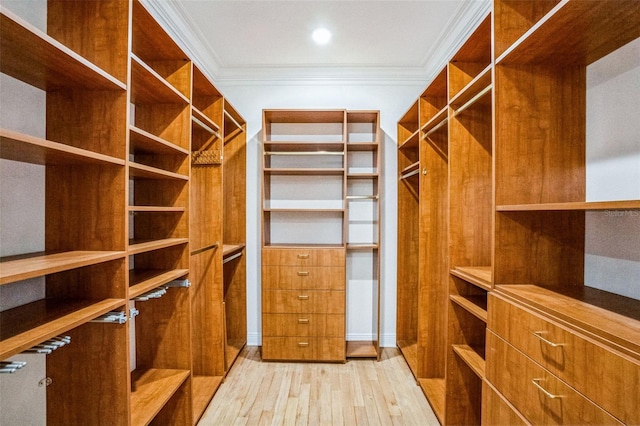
point(578, 360)
point(303, 302)
point(540, 396)
point(306, 277)
point(303, 349)
point(319, 325)
point(303, 256)
point(496, 410)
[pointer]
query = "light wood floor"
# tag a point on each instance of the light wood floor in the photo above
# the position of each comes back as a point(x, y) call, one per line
point(359, 392)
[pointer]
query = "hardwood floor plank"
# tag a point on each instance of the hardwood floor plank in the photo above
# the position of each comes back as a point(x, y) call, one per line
point(358, 392)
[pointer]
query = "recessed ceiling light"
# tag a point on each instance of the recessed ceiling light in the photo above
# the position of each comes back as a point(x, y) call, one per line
point(321, 36)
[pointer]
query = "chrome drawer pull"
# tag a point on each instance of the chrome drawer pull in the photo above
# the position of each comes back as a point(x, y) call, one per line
point(546, 392)
point(303, 344)
point(303, 256)
point(538, 334)
point(303, 273)
point(301, 297)
point(303, 320)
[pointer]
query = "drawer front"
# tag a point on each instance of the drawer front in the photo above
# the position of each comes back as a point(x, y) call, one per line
point(541, 397)
point(303, 256)
point(303, 349)
point(305, 277)
point(319, 325)
point(496, 410)
point(303, 302)
point(576, 360)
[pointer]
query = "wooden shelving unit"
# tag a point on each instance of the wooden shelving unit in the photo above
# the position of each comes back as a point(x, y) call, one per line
point(135, 135)
point(514, 176)
point(340, 149)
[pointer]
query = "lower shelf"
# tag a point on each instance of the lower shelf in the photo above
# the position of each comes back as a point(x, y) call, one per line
point(434, 390)
point(361, 349)
point(151, 390)
point(232, 350)
point(203, 389)
point(409, 349)
point(472, 358)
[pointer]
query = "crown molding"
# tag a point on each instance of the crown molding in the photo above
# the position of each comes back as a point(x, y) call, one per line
point(176, 21)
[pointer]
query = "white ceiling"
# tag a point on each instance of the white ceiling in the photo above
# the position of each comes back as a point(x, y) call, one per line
point(270, 40)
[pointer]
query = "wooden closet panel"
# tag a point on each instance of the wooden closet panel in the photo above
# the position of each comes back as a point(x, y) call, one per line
point(308, 277)
point(496, 410)
point(303, 257)
point(304, 348)
point(303, 301)
point(327, 325)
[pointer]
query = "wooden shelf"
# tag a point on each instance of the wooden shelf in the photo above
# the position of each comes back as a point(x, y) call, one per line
point(22, 267)
point(361, 349)
point(476, 275)
point(476, 305)
point(156, 209)
point(37, 59)
point(306, 172)
point(231, 249)
point(577, 32)
point(148, 87)
point(303, 146)
point(231, 351)
point(141, 171)
point(409, 349)
point(362, 246)
point(475, 93)
point(579, 206)
point(28, 325)
point(137, 247)
point(203, 390)
point(30, 149)
point(436, 123)
point(362, 175)
point(411, 142)
point(471, 357)
point(410, 171)
point(143, 281)
point(142, 141)
point(362, 146)
point(201, 116)
point(434, 390)
point(151, 390)
point(276, 210)
point(617, 317)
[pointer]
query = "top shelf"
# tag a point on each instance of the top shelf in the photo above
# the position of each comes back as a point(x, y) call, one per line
point(37, 59)
point(575, 33)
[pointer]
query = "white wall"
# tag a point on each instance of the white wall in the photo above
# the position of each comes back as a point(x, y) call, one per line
point(392, 100)
point(612, 252)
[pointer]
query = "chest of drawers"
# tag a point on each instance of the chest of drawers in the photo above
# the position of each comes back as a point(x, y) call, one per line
point(303, 304)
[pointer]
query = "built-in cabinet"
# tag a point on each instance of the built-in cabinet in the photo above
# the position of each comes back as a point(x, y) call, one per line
point(321, 233)
point(492, 204)
point(144, 204)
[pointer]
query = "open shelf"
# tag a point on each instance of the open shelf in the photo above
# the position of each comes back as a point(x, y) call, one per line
point(410, 170)
point(203, 389)
point(147, 172)
point(434, 390)
point(361, 349)
point(22, 267)
point(156, 209)
point(141, 281)
point(409, 349)
point(436, 122)
point(202, 120)
point(28, 325)
point(307, 171)
point(142, 141)
point(150, 390)
point(148, 87)
point(137, 246)
point(476, 305)
point(472, 358)
point(411, 142)
point(476, 275)
point(37, 59)
point(618, 317)
point(30, 149)
point(474, 92)
point(232, 350)
point(578, 206)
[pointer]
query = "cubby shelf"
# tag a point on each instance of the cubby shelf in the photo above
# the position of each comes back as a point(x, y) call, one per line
point(138, 246)
point(476, 275)
point(476, 305)
point(434, 390)
point(437, 122)
point(472, 358)
point(142, 171)
point(411, 142)
point(22, 267)
point(145, 142)
point(204, 387)
point(141, 281)
point(33, 323)
point(41, 61)
point(148, 87)
point(30, 149)
point(156, 209)
point(308, 171)
point(151, 389)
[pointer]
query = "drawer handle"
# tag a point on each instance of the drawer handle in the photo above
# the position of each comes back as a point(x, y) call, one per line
point(303, 344)
point(301, 297)
point(303, 273)
point(546, 392)
point(303, 320)
point(539, 334)
point(303, 255)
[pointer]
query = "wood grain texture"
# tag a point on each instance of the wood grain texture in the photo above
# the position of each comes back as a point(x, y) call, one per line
point(303, 301)
point(511, 372)
point(303, 256)
point(363, 392)
point(498, 411)
point(308, 277)
point(151, 390)
point(471, 58)
point(434, 98)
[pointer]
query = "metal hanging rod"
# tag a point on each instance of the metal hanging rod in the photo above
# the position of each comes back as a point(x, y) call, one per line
point(156, 293)
point(11, 367)
point(435, 128)
point(118, 317)
point(473, 100)
point(409, 174)
point(362, 197)
point(304, 153)
point(178, 283)
point(230, 258)
point(206, 127)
